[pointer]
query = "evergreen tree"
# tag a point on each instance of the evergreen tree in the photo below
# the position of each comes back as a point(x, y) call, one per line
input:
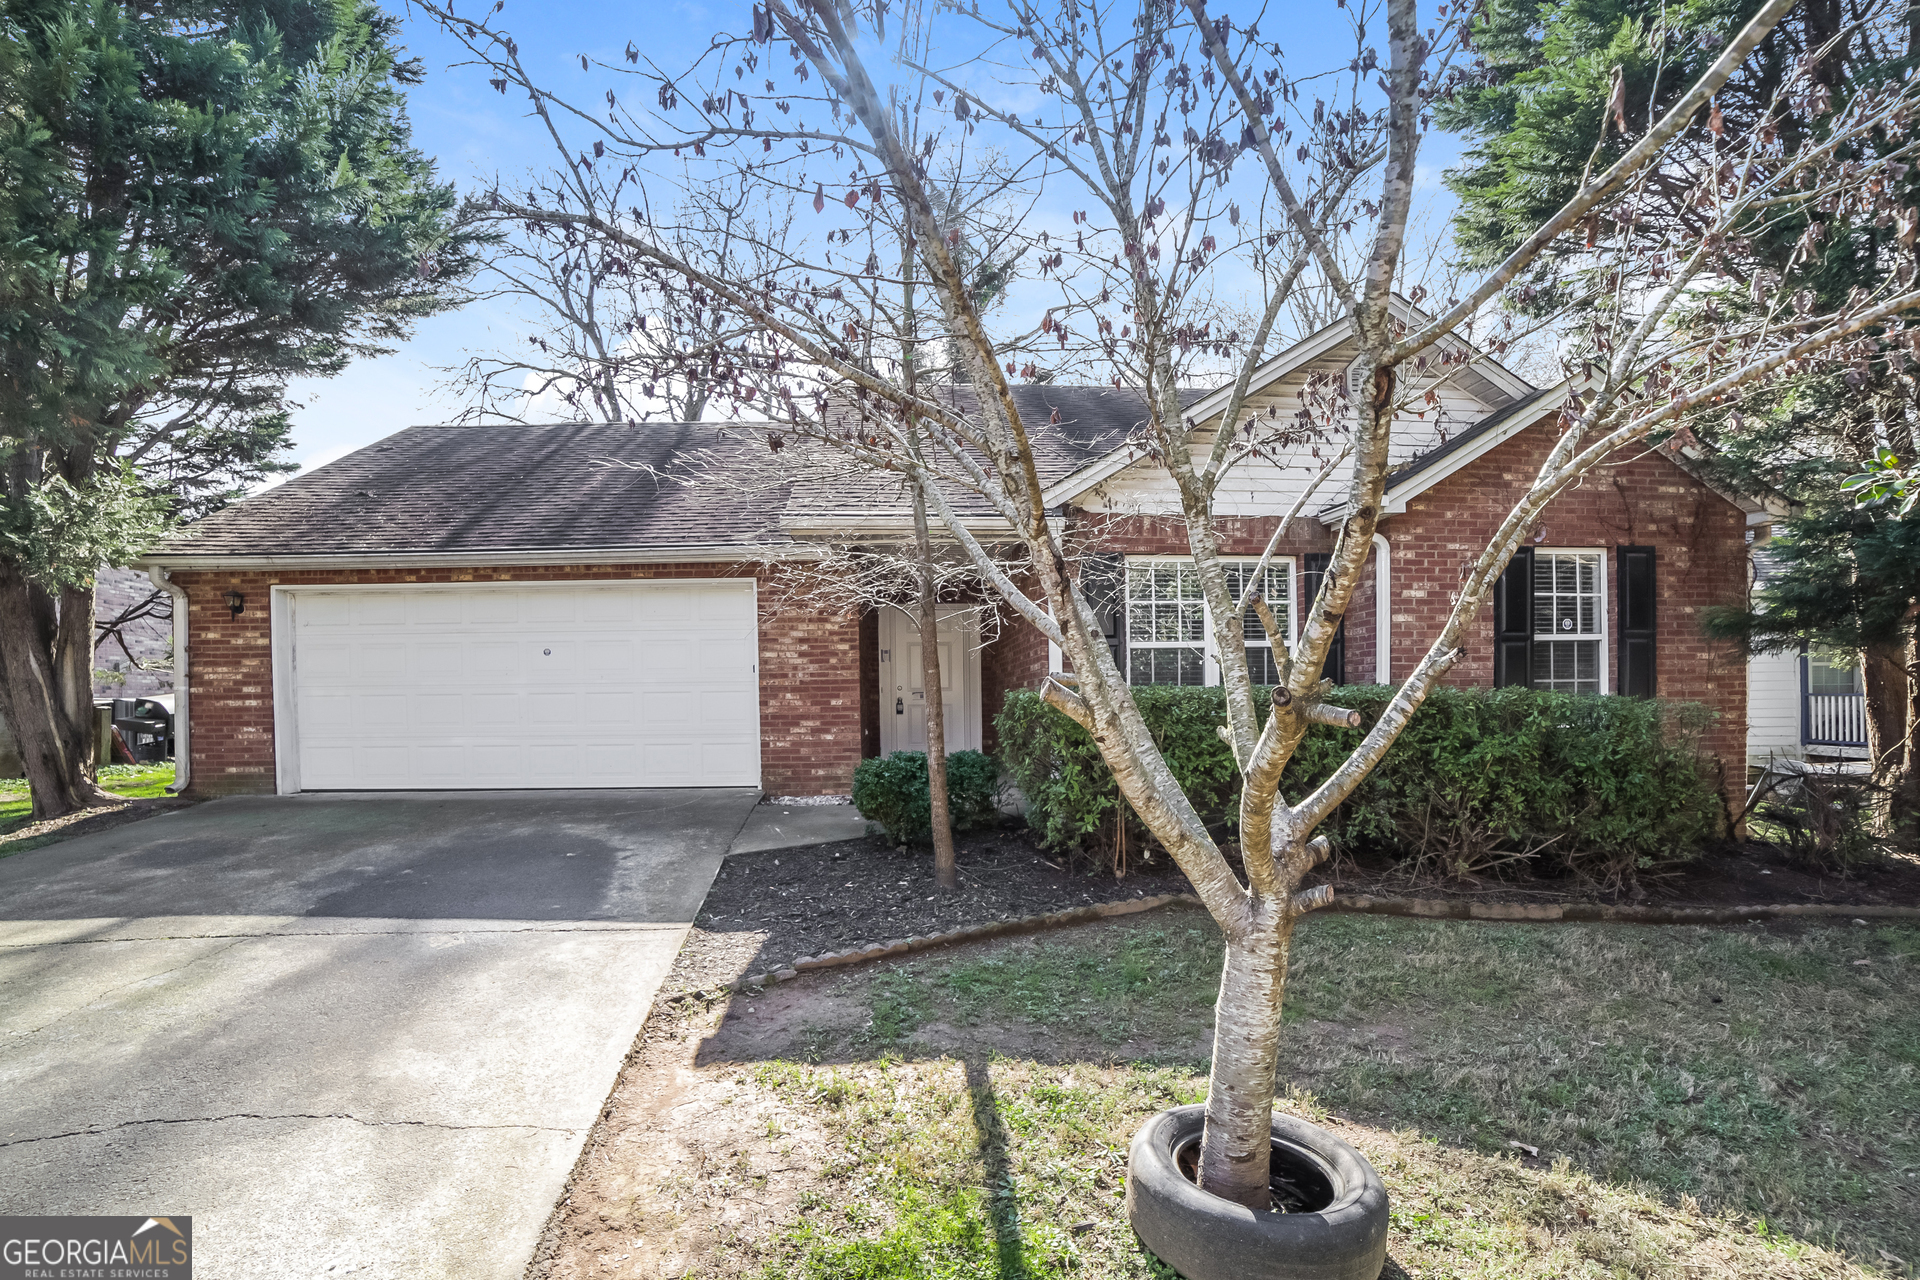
point(199, 201)
point(1568, 88)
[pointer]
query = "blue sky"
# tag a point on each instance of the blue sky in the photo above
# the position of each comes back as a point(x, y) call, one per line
point(475, 133)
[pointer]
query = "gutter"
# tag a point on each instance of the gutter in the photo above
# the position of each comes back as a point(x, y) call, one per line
point(182, 735)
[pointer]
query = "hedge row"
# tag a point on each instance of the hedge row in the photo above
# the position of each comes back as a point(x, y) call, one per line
point(1480, 777)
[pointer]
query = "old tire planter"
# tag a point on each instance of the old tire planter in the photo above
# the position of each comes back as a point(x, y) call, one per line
point(1206, 1238)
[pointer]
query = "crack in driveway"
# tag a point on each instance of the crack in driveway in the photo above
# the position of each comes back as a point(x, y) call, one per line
point(252, 1115)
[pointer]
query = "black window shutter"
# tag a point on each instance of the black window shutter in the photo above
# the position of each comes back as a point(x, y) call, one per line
point(1513, 622)
point(1103, 579)
point(1313, 570)
point(1637, 622)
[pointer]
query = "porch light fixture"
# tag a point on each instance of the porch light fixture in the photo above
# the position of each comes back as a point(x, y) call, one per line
point(235, 603)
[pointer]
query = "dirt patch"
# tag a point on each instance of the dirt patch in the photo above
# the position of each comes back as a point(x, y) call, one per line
point(686, 1164)
point(86, 822)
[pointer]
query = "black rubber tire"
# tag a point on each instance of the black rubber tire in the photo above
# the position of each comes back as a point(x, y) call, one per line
point(1206, 1238)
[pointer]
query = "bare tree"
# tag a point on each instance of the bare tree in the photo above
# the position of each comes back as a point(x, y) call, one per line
point(1197, 169)
point(608, 338)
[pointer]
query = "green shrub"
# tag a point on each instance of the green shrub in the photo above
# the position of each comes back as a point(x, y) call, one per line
point(892, 791)
point(1480, 777)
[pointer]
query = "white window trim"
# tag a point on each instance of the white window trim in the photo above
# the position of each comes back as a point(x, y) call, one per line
point(1606, 611)
point(1210, 666)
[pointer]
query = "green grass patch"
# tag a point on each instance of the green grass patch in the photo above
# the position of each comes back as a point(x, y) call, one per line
point(1717, 1102)
point(135, 781)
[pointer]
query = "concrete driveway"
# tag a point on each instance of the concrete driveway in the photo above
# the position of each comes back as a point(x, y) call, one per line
point(348, 1034)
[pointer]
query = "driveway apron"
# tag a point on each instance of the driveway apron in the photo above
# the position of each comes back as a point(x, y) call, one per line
point(349, 1034)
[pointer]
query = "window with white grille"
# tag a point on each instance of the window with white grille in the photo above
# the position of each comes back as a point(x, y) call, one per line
point(1569, 620)
point(1166, 624)
point(1168, 637)
point(1261, 664)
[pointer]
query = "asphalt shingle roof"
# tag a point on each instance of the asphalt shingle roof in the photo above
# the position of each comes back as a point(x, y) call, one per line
point(597, 486)
point(510, 488)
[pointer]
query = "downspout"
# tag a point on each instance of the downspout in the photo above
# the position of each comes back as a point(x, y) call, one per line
point(182, 744)
point(1382, 610)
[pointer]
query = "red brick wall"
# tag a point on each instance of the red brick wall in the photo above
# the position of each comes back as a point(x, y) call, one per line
point(1699, 539)
point(810, 679)
point(1360, 620)
point(1014, 658)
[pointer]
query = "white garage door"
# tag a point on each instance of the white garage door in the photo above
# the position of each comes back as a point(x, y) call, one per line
point(604, 685)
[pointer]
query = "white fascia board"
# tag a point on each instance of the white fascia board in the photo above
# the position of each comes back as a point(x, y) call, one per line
point(1210, 405)
point(1302, 352)
point(1522, 416)
point(841, 524)
point(182, 561)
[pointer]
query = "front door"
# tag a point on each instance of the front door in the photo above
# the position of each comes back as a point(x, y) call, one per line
point(903, 694)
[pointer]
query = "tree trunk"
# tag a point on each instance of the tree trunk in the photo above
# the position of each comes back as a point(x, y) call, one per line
point(1883, 671)
point(46, 691)
point(1903, 788)
point(945, 872)
point(1246, 1055)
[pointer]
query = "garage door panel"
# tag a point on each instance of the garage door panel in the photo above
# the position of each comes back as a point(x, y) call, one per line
point(551, 710)
point(730, 706)
point(434, 608)
point(675, 659)
point(670, 709)
point(731, 760)
point(609, 608)
point(492, 608)
point(383, 661)
point(378, 609)
point(327, 714)
point(386, 715)
point(624, 686)
point(612, 655)
point(490, 661)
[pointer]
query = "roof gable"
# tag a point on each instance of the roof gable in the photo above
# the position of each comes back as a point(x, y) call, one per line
point(1484, 383)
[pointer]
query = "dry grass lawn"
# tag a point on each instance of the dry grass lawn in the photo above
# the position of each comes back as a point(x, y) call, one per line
point(1737, 1102)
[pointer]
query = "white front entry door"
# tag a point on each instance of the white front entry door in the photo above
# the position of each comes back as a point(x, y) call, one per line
point(615, 684)
point(903, 694)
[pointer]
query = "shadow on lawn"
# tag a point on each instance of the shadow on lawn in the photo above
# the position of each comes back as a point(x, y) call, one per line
point(1402, 1026)
point(1003, 1207)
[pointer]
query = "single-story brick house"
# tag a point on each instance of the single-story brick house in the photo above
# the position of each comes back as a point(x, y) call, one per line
point(497, 606)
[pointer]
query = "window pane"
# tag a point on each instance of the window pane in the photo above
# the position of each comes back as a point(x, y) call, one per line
point(1568, 603)
point(1261, 666)
point(1830, 674)
point(1568, 666)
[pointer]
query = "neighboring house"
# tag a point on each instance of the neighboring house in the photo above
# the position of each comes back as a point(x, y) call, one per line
point(115, 592)
point(1810, 705)
point(136, 660)
point(464, 607)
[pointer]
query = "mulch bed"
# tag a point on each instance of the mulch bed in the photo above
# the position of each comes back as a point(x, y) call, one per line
point(768, 909)
point(86, 822)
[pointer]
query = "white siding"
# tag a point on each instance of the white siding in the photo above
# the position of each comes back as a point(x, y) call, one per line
point(1269, 487)
point(1773, 707)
